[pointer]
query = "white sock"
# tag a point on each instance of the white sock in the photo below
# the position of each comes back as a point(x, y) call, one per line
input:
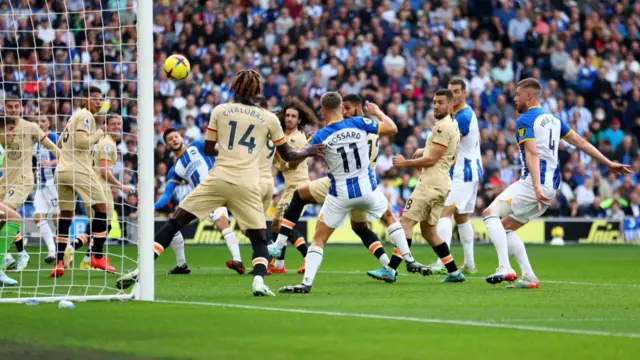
point(466, 238)
point(279, 264)
point(47, 235)
point(232, 243)
point(384, 260)
point(281, 241)
point(258, 280)
point(396, 233)
point(177, 244)
point(445, 232)
point(498, 237)
point(517, 250)
point(313, 261)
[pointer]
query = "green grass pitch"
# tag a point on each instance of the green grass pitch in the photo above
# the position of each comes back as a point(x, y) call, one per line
point(588, 307)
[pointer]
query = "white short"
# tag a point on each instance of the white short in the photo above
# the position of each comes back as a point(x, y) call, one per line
point(218, 213)
point(46, 200)
point(334, 210)
point(521, 201)
point(463, 195)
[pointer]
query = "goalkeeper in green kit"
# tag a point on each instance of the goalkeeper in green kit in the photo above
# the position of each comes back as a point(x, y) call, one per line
point(10, 220)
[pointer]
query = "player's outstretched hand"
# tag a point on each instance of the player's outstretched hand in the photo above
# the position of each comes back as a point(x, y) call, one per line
point(618, 168)
point(399, 161)
point(543, 200)
point(128, 189)
point(316, 150)
point(310, 134)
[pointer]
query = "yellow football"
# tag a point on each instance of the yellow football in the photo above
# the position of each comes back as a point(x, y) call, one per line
point(177, 67)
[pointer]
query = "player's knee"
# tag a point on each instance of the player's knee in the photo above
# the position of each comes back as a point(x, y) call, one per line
point(275, 226)
point(183, 217)
point(358, 226)
point(303, 195)
point(256, 236)
point(448, 212)
point(461, 218)
point(487, 212)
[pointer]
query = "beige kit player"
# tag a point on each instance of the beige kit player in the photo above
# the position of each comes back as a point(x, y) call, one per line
point(18, 180)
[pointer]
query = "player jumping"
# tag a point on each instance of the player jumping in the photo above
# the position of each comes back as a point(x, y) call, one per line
point(293, 117)
point(352, 184)
point(75, 176)
point(192, 166)
point(242, 129)
point(425, 204)
point(538, 133)
point(10, 219)
point(18, 179)
point(465, 174)
point(46, 198)
point(316, 192)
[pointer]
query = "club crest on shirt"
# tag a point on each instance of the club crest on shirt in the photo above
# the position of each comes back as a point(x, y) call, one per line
point(13, 151)
point(522, 132)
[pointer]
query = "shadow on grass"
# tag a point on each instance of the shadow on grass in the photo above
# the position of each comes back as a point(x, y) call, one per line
point(21, 351)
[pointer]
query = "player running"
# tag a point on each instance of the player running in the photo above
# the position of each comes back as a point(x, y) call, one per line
point(293, 117)
point(242, 129)
point(105, 156)
point(425, 204)
point(46, 198)
point(316, 192)
point(192, 166)
point(75, 176)
point(17, 173)
point(10, 219)
point(465, 175)
point(538, 133)
point(352, 184)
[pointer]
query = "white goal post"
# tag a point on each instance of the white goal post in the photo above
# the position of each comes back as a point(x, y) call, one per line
point(36, 55)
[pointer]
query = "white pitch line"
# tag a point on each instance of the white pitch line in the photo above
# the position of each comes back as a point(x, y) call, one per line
point(561, 319)
point(355, 272)
point(412, 319)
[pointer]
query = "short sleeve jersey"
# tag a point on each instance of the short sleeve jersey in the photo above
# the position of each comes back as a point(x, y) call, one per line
point(295, 175)
point(105, 155)
point(242, 133)
point(445, 133)
point(82, 123)
point(266, 162)
point(18, 154)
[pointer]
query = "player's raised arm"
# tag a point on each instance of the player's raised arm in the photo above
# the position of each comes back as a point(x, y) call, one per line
point(285, 151)
point(578, 141)
point(386, 126)
point(50, 146)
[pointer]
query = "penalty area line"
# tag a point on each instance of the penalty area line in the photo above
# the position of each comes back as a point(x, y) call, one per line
point(410, 319)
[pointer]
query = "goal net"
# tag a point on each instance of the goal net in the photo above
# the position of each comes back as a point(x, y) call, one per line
point(49, 52)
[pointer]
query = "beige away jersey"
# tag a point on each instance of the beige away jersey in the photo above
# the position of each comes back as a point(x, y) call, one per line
point(104, 155)
point(18, 164)
point(444, 133)
point(295, 175)
point(266, 162)
point(373, 140)
point(242, 132)
point(82, 123)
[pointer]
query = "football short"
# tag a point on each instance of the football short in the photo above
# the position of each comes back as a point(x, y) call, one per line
point(243, 202)
point(519, 201)
point(108, 195)
point(335, 210)
point(319, 189)
point(14, 195)
point(284, 202)
point(463, 196)
point(266, 190)
point(73, 183)
point(425, 204)
point(46, 200)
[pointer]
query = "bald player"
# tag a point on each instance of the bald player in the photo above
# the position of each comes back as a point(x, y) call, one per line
point(243, 130)
point(426, 203)
point(75, 176)
point(17, 174)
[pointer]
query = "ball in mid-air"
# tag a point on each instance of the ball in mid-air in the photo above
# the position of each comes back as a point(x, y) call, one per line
point(177, 67)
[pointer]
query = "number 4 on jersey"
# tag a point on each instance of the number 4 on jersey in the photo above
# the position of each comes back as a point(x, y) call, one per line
point(250, 144)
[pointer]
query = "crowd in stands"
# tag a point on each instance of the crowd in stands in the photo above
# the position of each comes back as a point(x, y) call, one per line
point(394, 53)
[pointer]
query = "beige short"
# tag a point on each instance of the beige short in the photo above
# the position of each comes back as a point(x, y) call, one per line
point(109, 196)
point(73, 183)
point(319, 189)
point(284, 202)
point(425, 204)
point(14, 195)
point(243, 202)
point(266, 190)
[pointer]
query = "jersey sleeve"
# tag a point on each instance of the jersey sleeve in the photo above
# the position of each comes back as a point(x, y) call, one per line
point(524, 129)
point(441, 136)
point(166, 196)
point(173, 177)
point(38, 134)
point(212, 129)
point(368, 125)
point(275, 130)
point(84, 122)
point(464, 121)
point(106, 150)
point(565, 130)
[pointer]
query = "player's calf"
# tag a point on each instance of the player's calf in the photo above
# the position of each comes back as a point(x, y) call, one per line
point(260, 255)
point(288, 222)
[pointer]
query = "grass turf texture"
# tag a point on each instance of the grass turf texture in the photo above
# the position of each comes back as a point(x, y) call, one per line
point(592, 290)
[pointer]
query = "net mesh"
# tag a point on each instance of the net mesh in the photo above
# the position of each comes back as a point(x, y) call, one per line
point(49, 52)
